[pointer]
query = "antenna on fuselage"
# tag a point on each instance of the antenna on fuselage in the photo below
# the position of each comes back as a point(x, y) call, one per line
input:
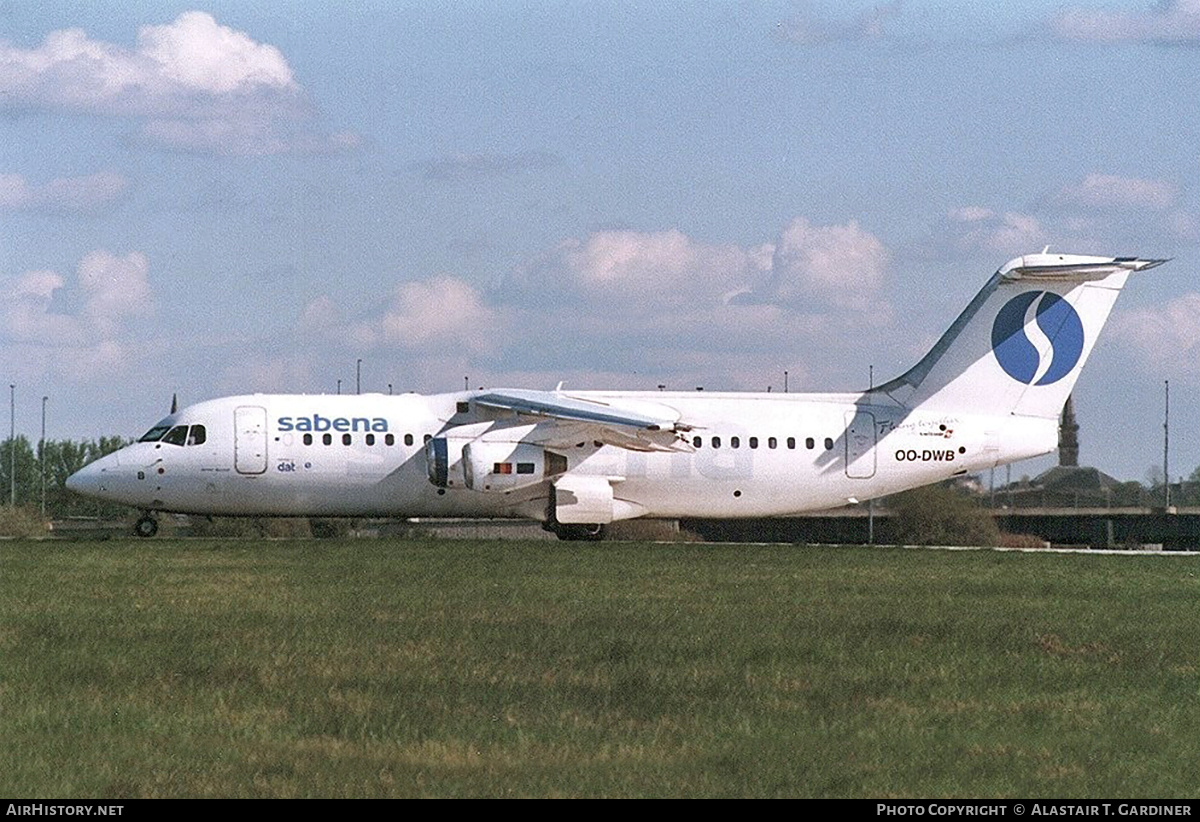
point(174, 403)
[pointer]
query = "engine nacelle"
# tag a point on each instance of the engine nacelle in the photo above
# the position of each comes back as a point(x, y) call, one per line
point(481, 464)
point(443, 456)
point(507, 466)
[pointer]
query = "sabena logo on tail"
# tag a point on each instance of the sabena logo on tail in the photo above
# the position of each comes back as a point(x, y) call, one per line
point(1019, 346)
point(1043, 313)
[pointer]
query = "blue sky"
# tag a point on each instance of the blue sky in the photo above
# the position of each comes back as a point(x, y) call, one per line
point(228, 197)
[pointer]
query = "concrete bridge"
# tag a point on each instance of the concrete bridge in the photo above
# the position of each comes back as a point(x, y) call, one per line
point(1132, 527)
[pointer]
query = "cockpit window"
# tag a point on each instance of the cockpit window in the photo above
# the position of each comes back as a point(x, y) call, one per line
point(176, 436)
point(196, 435)
point(155, 434)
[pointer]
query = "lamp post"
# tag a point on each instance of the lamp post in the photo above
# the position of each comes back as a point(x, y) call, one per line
point(12, 443)
point(42, 456)
point(1166, 443)
point(871, 501)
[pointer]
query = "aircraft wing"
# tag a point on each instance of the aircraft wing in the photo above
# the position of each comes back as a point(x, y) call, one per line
point(640, 426)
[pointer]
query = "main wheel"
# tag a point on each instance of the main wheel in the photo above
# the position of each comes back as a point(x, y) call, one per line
point(590, 532)
point(146, 527)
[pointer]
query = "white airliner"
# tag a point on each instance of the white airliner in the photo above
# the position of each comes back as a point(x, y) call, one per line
point(989, 392)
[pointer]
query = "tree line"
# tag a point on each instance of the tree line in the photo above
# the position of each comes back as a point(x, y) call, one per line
point(47, 465)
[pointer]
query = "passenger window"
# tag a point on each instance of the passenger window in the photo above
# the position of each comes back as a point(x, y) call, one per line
point(754, 442)
point(697, 441)
point(791, 442)
point(347, 439)
point(772, 442)
point(197, 435)
point(308, 439)
point(735, 442)
point(809, 444)
point(716, 441)
point(327, 439)
point(828, 444)
point(408, 439)
point(389, 439)
point(176, 436)
point(370, 439)
point(428, 437)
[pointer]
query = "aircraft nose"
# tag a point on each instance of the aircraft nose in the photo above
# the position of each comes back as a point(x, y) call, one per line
point(90, 480)
point(85, 480)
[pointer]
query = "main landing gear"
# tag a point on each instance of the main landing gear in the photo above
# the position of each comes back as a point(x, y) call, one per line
point(146, 526)
point(589, 532)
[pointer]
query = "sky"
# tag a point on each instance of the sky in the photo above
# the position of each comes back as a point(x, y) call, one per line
point(220, 198)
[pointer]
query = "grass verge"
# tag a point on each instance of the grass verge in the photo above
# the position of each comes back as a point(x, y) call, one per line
point(433, 668)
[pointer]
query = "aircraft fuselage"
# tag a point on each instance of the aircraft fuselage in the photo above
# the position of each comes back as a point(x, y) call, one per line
point(746, 455)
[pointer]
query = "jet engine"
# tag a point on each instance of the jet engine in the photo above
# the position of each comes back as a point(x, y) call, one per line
point(489, 465)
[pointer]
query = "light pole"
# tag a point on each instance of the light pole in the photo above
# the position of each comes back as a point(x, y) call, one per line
point(42, 456)
point(1166, 444)
point(871, 501)
point(12, 442)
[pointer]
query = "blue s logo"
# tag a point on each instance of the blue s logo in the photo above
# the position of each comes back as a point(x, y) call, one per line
point(1055, 318)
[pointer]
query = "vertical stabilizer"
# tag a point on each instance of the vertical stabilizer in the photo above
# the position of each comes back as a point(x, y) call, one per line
point(1020, 345)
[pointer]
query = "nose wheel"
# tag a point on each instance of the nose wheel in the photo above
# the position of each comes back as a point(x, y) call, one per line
point(146, 527)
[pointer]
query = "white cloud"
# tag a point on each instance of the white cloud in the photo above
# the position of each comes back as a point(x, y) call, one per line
point(1110, 190)
point(199, 86)
point(841, 264)
point(27, 316)
point(664, 264)
point(635, 303)
point(1173, 22)
point(436, 315)
point(682, 308)
point(111, 288)
point(201, 55)
point(114, 287)
point(1165, 335)
point(64, 194)
point(976, 228)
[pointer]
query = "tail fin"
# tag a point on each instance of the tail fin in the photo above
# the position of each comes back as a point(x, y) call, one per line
point(1020, 345)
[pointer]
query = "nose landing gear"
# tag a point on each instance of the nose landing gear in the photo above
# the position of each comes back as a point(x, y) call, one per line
point(146, 526)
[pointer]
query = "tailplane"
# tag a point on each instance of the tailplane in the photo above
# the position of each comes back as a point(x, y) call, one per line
point(1020, 345)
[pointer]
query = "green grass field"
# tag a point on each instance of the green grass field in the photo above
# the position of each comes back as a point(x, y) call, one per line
point(434, 668)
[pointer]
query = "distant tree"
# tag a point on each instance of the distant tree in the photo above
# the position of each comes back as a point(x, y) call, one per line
point(59, 459)
point(27, 486)
point(939, 515)
point(1130, 494)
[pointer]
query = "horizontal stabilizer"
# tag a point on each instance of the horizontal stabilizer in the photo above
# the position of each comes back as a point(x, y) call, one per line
point(1073, 268)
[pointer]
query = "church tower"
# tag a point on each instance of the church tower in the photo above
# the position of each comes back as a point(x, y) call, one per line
point(1068, 436)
